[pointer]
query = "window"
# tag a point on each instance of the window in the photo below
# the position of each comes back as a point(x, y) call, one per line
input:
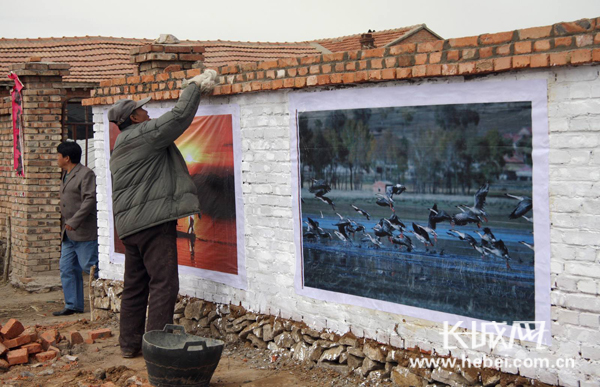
point(78, 125)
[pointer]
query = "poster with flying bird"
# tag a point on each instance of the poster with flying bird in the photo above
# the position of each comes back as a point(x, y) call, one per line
point(429, 201)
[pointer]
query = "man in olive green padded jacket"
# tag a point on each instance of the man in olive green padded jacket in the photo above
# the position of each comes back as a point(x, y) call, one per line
point(152, 188)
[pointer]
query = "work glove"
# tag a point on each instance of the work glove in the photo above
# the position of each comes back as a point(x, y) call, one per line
point(205, 81)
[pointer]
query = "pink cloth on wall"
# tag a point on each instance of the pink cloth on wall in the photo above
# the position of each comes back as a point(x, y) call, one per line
point(17, 120)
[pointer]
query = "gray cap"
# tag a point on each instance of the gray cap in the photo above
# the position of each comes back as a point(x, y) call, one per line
point(123, 109)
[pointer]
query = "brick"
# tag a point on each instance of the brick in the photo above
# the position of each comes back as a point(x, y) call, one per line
point(403, 49)
point(4, 364)
point(374, 53)
point(299, 82)
point(484, 66)
point(12, 329)
point(339, 67)
point(582, 25)
point(316, 69)
point(596, 55)
point(436, 45)
point(289, 82)
point(405, 61)
point(564, 41)
point(361, 76)
point(390, 62)
point(75, 338)
point(522, 61)
point(501, 64)
point(308, 60)
point(17, 356)
point(45, 356)
point(348, 78)
point(486, 52)
point(522, 47)
point(541, 45)
point(335, 78)
point(493, 39)
point(333, 57)
point(581, 56)
point(33, 348)
point(559, 59)
point(453, 55)
point(463, 42)
point(420, 59)
point(354, 55)
point(49, 338)
point(419, 71)
point(450, 69)
point(272, 64)
point(504, 50)
point(53, 348)
point(469, 54)
point(17, 341)
point(191, 57)
point(466, 68)
point(323, 79)
point(377, 63)
point(311, 81)
point(534, 33)
point(540, 60)
point(584, 40)
point(277, 84)
point(326, 68)
point(3, 349)
point(388, 74)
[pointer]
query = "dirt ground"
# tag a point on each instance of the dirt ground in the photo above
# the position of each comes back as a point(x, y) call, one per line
point(101, 362)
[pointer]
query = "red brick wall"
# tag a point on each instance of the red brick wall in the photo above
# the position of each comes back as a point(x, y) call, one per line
point(32, 201)
point(562, 44)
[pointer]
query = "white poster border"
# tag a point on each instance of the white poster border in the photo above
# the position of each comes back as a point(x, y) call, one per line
point(437, 94)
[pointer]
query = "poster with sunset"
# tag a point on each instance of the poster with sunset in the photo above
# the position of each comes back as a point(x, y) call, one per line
point(211, 244)
point(209, 241)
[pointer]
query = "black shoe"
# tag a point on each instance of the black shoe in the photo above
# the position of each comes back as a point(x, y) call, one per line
point(65, 312)
point(128, 354)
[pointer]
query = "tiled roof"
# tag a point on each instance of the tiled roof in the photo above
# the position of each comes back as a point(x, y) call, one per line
point(352, 42)
point(220, 53)
point(92, 58)
point(96, 58)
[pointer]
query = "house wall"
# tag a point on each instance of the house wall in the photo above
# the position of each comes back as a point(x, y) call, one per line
point(32, 201)
point(421, 36)
point(262, 91)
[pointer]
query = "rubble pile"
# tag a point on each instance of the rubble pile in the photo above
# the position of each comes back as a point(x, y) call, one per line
point(342, 353)
point(21, 345)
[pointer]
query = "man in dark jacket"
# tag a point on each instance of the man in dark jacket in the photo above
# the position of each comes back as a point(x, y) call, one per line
point(79, 235)
point(152, 188)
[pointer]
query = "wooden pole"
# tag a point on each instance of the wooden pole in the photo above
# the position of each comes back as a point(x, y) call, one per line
point(7, 254)
point(91, 292)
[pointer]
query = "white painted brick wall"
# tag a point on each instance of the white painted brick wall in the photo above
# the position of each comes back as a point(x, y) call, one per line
point(574, 124)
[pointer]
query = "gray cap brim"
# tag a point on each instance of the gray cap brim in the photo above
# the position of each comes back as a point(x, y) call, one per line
point(142, 102)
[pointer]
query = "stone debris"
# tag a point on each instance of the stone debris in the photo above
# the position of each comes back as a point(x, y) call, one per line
point(345, 354)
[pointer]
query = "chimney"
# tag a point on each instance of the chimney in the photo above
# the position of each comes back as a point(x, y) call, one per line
point(165, 52)
point(367, 41)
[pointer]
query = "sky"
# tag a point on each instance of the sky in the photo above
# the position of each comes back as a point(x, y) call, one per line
point(279, 20)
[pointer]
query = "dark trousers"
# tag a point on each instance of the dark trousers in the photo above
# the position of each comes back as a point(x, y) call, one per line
point(151, 279)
